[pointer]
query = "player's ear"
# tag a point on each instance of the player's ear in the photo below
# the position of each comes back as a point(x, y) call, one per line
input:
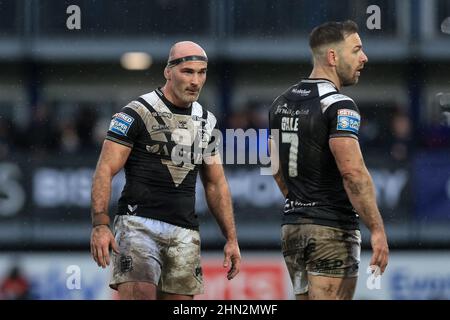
point(167, 73)
point(332, 57)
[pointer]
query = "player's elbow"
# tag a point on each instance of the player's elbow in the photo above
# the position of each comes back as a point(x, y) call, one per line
point(104, 170)
point(353, 175)
point(357, 181)
point(209, 188)
point(218, 187)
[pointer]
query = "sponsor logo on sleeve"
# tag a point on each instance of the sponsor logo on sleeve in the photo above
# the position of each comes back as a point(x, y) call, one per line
point(121, 123)
point(348, 120)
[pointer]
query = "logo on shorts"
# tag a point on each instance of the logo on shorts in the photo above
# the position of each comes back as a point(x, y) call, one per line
point(330, 266)
point(310, 247)
point(198, 273)
point(126, 264)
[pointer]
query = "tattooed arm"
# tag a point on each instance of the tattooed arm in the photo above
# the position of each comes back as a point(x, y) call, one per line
point(360, 189)
point(112, 158)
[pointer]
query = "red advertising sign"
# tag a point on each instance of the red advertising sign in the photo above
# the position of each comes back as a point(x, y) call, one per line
point(259, 279)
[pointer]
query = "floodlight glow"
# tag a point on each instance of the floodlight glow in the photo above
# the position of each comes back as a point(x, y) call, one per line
point(136, 60)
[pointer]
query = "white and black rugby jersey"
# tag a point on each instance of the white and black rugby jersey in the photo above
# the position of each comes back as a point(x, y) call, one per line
point(307, 115)
point(156, 186)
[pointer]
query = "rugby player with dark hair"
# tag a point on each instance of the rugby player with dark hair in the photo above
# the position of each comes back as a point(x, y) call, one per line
point(322, 173)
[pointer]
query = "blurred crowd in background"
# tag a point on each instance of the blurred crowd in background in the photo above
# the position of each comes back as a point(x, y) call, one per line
point(384, 130)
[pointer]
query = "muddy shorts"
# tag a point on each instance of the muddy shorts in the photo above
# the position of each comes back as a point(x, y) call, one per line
point(157, 252)
point(319, 250)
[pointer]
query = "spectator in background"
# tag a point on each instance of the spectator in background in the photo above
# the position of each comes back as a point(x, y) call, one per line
point(257, 115)
point(251, 116)
point(42, 133)
point(85, 122)
point(370, 132)
point(436, 135)
point(100, 128)
point(15, 286)
point(257, 119)
point(238, 120)
point(7, 134)
point(70, 141)
point(401, 137)
point(80, 131)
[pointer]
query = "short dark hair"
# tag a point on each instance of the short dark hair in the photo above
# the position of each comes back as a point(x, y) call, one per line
point(331, 32)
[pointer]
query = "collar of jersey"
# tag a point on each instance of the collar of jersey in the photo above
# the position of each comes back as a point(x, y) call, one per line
point(174, 108)
point(316, 80)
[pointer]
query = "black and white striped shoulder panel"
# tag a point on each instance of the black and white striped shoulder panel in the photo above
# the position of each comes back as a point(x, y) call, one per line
point(147, 104)
point(138, 107)
point(324, 87)
point(330, 99)
point(152, 110)
point(154, 101)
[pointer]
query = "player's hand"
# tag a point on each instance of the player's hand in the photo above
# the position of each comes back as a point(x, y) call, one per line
point(101, 239)
point(380, 250)
point(232, 258)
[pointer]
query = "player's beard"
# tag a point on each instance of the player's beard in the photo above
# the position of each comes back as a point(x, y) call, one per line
point(346, 74)
point(184, 96)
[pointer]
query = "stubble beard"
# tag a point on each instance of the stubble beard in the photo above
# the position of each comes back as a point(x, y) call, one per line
point(185, 97)
point(347, 76)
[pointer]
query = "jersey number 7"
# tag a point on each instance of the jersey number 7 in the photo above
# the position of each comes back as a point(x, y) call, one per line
point(292, 139)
